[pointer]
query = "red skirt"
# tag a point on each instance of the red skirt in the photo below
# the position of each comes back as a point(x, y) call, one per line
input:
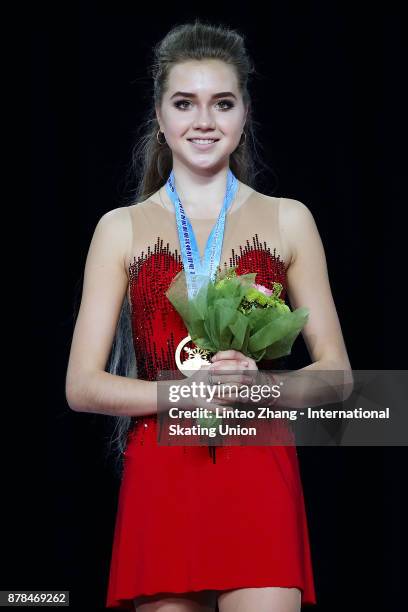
point(185, 523)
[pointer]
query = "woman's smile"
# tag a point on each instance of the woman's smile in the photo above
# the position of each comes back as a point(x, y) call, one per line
point(203, 144)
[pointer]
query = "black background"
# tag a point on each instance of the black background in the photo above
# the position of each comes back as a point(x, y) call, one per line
point(330, 106)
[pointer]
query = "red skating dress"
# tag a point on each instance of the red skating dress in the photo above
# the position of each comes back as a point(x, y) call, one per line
point(185, 523)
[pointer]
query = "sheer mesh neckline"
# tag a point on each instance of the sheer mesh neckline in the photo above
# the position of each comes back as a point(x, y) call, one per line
point(231, 211)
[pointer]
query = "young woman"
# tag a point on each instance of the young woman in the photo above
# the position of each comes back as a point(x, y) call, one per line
point(195, 531)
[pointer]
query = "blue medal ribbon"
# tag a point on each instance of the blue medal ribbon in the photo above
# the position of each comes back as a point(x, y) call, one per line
point(197, 270)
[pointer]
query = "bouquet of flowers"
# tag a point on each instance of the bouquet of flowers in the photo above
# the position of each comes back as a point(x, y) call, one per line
point(233, 312)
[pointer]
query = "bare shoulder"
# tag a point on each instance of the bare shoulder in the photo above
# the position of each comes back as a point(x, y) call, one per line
point(296, 222)
point(115, 228)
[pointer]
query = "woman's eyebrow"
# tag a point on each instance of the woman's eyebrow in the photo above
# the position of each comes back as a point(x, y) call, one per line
point(222, 94)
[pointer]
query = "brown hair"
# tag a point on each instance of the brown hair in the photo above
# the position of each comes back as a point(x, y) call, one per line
point(151, 162)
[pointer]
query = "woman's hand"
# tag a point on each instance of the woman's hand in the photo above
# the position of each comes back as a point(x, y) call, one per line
point(232, 367)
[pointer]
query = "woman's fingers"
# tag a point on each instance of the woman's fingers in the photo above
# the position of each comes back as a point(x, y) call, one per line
point(229, 384)
point(230, 364)
point(228, 354)
point(232, 371)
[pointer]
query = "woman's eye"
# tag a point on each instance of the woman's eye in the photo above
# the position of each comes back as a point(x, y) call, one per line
point(180, 102)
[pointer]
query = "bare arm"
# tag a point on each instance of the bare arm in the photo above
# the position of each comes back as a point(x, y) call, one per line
point(308, 285)
point(88, 387)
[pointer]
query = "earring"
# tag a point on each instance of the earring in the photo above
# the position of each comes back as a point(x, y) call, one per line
point(240, 145)
point(157, 138)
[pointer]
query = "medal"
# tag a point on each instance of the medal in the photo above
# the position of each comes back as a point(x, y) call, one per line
point(197, 358)
point(196, 270)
